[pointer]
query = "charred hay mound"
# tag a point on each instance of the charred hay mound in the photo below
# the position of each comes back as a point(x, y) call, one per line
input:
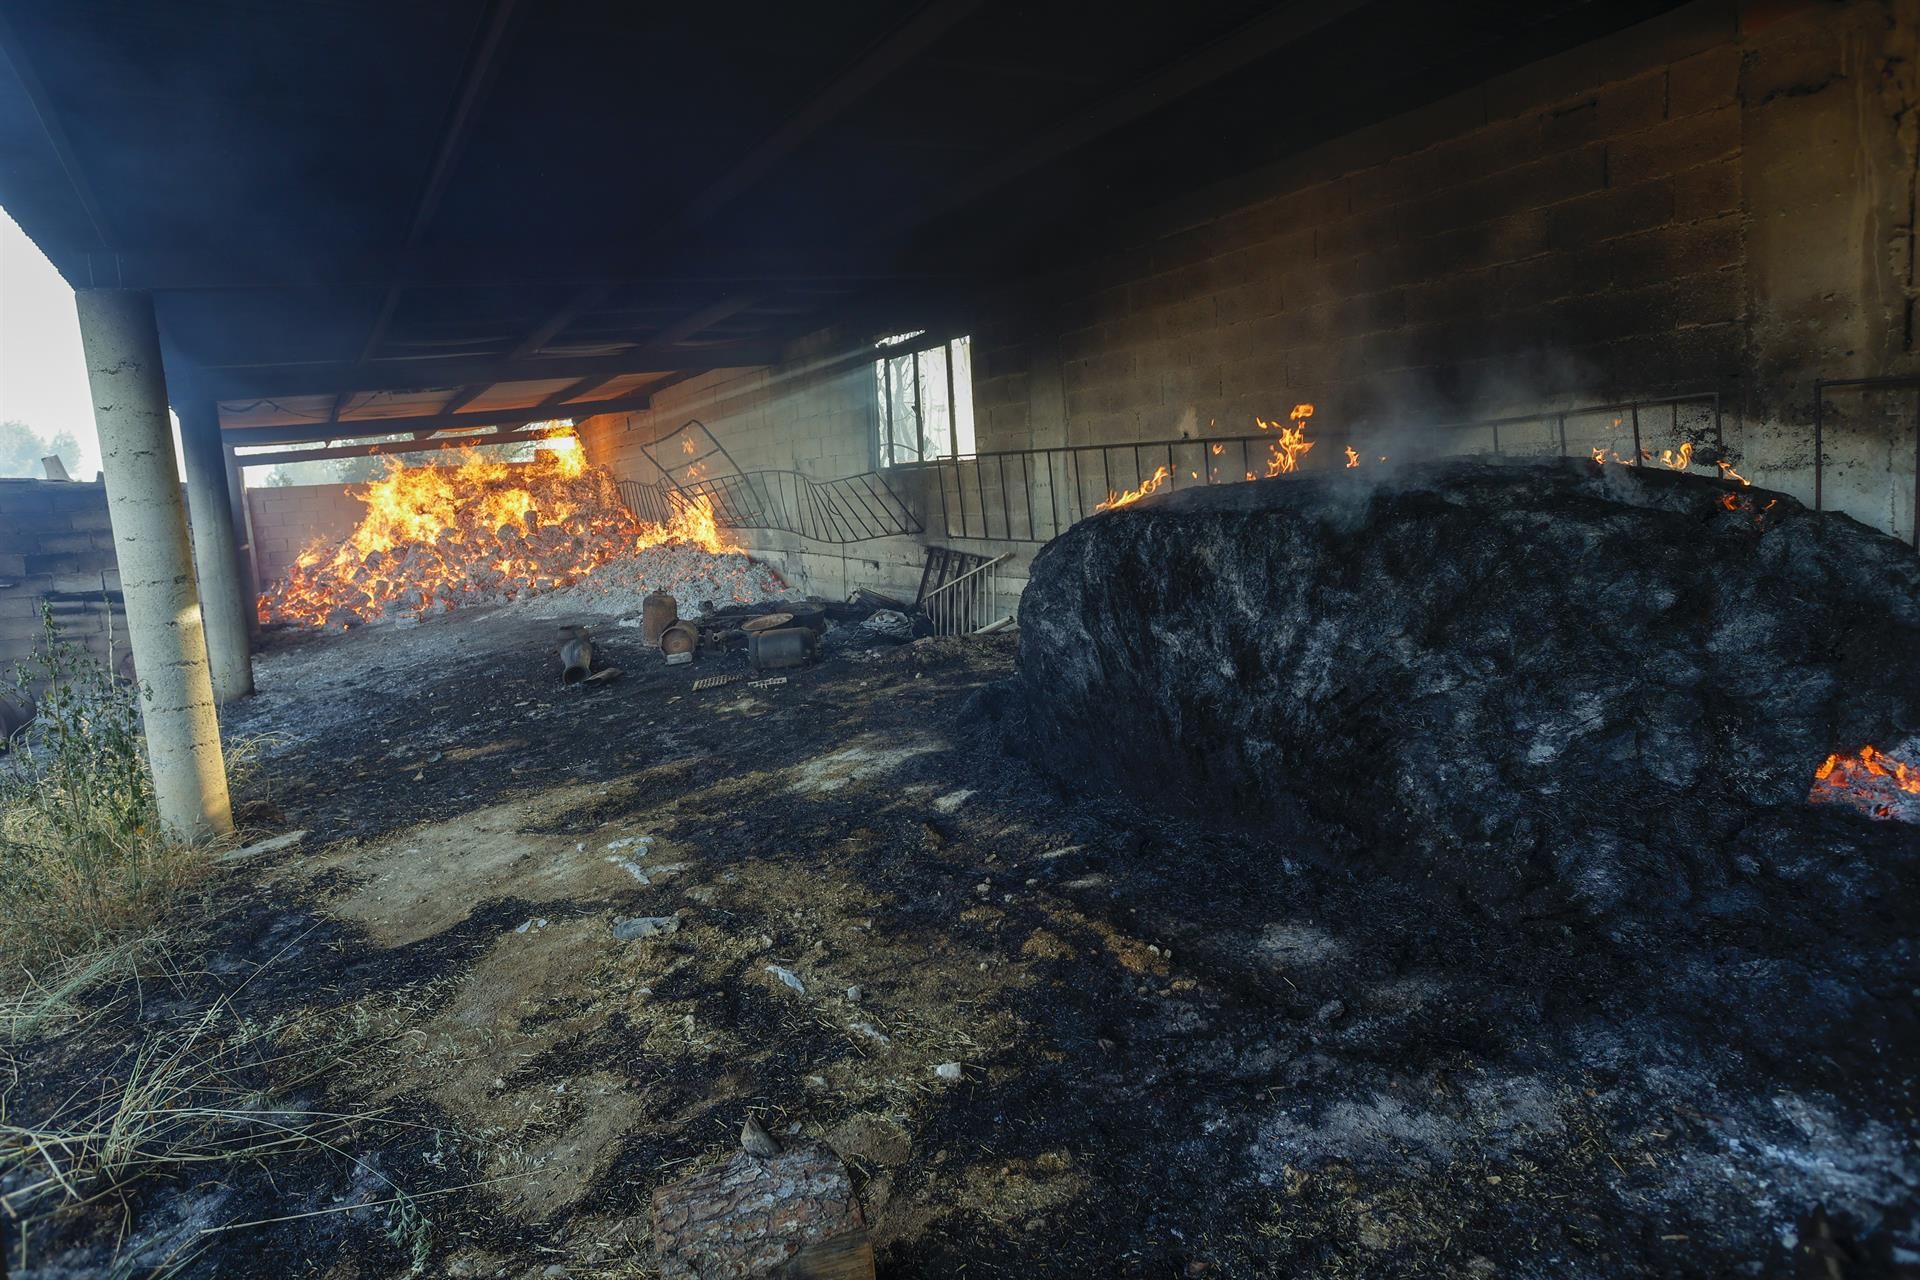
point(1544, 687)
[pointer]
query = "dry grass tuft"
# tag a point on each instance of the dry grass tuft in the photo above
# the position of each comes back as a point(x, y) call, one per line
point(83, 866)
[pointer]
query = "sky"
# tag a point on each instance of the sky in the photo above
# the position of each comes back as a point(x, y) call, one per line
point(43, 380)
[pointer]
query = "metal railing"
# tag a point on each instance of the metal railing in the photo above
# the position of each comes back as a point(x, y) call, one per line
point(1034, 495)
point(1866, 387)
point(648, 502)
point(694, 464)
point(854, 508)
point(967, 603)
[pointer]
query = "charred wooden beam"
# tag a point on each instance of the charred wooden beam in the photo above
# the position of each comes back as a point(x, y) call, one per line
point(427, 372)
point(305, 432)
point(413, 444)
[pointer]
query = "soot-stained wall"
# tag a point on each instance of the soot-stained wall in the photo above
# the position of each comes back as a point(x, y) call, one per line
point(1717, 201)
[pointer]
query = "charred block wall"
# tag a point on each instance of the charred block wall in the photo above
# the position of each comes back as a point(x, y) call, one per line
point(56, 546)
point(1717, 200)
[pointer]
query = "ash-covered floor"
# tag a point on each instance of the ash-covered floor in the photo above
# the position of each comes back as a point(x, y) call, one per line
point(1183, 1051)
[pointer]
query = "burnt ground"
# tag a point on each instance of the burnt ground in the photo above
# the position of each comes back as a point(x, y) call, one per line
point(1186, 1049)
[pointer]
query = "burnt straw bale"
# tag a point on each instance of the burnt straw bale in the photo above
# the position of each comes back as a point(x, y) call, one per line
point(1540, 687)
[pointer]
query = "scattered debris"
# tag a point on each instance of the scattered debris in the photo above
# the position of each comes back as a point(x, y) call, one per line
point(889, 624)
point(952, 800)
point(528, 926)
point(768, 683)
point(606, 675)
point(632, 868)
point(272, 844)
point(713, 682)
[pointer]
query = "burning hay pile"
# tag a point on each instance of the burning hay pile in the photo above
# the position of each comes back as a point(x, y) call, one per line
point(489, 532)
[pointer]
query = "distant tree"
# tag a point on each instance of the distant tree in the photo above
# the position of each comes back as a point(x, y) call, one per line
point(21, 449)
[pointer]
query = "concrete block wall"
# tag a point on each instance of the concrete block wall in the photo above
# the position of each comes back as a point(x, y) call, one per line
point(55, 537)
point(287, 518)
point(1717, 200)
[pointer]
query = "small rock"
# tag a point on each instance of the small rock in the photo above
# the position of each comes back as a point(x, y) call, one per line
point(870, 1031)
point(636, 927)
point(816, 1082)
point(949, 1071)
point(755, 1140)
point(983, 888)
point(1329, 1012)
point(632, 868)
point(789, 977)
point(855, 995)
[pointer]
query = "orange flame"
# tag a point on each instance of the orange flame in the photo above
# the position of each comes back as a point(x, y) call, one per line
point(1284, 455)
point(1728, 473)
point(437, 536)
point(1152, 482)
point(1867, 779)
point(1219, 449)
point(1678, 461)
point(1353, 459)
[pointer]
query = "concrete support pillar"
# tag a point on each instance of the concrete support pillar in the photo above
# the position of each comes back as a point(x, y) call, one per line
point(122, 349)
point(216, 559)
point(243, 540)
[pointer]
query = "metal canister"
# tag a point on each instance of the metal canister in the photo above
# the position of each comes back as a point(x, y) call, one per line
point(576, 656)
point(657, 612)
point(781, 647)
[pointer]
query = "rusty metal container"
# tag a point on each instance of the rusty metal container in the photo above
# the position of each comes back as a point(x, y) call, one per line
point(679, 640)
point(657, 612)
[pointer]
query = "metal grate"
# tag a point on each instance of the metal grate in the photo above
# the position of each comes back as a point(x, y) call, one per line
point(1034, 495)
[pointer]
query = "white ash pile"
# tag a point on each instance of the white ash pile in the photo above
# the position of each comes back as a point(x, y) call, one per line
point(696, 578)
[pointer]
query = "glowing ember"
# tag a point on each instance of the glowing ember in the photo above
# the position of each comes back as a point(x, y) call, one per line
point(482, 531)
point(1868, 779)
point(1353, 459)
point(1152, 482)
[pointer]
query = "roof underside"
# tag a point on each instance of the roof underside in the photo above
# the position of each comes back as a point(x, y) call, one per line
point(363, 217)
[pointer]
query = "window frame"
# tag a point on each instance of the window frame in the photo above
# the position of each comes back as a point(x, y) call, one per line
point(915, 345)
